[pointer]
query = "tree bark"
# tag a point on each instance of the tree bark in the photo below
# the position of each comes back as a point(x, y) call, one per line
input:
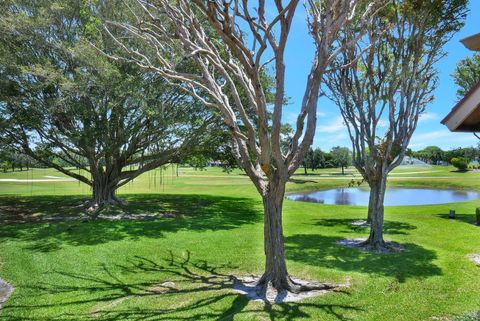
point(372, 202)
point(103, 194)
point(376, 214)
point(276, 273)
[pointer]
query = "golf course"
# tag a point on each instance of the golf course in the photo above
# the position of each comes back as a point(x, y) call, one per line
point(182, 263)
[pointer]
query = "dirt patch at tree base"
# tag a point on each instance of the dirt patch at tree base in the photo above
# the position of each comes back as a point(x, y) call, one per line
point(360, 223)
point(5, 291)
point(475, 258)
point(389, 247)
point(247, 285)
point(116, 217)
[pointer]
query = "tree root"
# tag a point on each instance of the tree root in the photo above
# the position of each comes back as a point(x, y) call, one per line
point(94, 208)
point(291, 290)
point(369, 246)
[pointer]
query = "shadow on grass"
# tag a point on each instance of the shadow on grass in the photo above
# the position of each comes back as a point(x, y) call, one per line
point(323, 251)
point(301, 181)
point(175, 288)
point(193, 212)
point(465, 218)
point(390, 227)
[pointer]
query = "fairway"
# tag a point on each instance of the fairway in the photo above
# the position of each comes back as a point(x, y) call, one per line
point(180, 268)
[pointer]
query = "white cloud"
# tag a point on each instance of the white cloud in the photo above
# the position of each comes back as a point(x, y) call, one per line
point(428, 116)
point(337, 125)
point(442, 138)
point(382, 123)
point(321, 114)
point(327, 141)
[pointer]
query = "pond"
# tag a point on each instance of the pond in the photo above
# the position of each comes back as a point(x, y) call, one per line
point(394, 196)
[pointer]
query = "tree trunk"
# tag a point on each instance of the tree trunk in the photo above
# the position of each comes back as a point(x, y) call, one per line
point(376, 214)
point(276, 274)
point(275, 265)
point(343, 171)
point(102, 195)
point(372, 202)
point(305, 169)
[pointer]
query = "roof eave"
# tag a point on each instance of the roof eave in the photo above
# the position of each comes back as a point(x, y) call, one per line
point(457, 107)
point(472, 42)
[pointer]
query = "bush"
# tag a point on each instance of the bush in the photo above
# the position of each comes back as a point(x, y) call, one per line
point(459, 163)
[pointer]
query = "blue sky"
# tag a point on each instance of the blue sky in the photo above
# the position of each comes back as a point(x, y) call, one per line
point(330, 128)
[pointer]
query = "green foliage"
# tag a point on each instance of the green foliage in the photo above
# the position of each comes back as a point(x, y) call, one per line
point(5, 166)
point(467, 74)
point(459, 163)
point(431, 154)
point(341, 156)
point(77, 107)
point(314, 159)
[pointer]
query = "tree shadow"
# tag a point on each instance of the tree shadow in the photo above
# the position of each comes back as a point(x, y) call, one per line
point(465, 218)
point(390, 227)
point(323, 251)
point(301, 181)
point(192, 212)
point(175, 288)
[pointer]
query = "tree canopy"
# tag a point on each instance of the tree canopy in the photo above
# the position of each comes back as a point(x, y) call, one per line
point(65, 100)
point(467, 74)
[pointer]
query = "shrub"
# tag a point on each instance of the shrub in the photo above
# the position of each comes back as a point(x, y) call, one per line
point(459, 163)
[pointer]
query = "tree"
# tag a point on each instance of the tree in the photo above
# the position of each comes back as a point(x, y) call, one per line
point(467, 153)
point(5, 166)
point(467, 74)
point(229, 42)
point(430, 154)
point(69, 106)
point(341, 157)
point(309, 161)
point(319, 158)
point(382, 89)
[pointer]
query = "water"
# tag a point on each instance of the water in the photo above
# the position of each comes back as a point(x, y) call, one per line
point(393, 197)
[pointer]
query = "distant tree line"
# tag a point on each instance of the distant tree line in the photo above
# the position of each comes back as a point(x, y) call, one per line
point(435, 155)
point(14, 161)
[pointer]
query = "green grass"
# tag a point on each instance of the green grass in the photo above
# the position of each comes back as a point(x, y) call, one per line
point(114, 270)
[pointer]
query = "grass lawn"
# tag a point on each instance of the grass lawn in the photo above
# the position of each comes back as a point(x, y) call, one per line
point(180, 268)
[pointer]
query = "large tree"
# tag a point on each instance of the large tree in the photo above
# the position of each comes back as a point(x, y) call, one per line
point(66, 102)
point(231, 43)
point(382, 89)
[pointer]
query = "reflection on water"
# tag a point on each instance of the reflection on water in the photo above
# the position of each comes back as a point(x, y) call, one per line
point(393, 197)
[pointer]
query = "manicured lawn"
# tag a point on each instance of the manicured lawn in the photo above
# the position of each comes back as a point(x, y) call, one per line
point(123, 270)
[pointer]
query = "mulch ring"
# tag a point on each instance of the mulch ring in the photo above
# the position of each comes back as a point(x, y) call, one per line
point(475, 258)
point(247, 285)
point(5, 291)
point(390, 247)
